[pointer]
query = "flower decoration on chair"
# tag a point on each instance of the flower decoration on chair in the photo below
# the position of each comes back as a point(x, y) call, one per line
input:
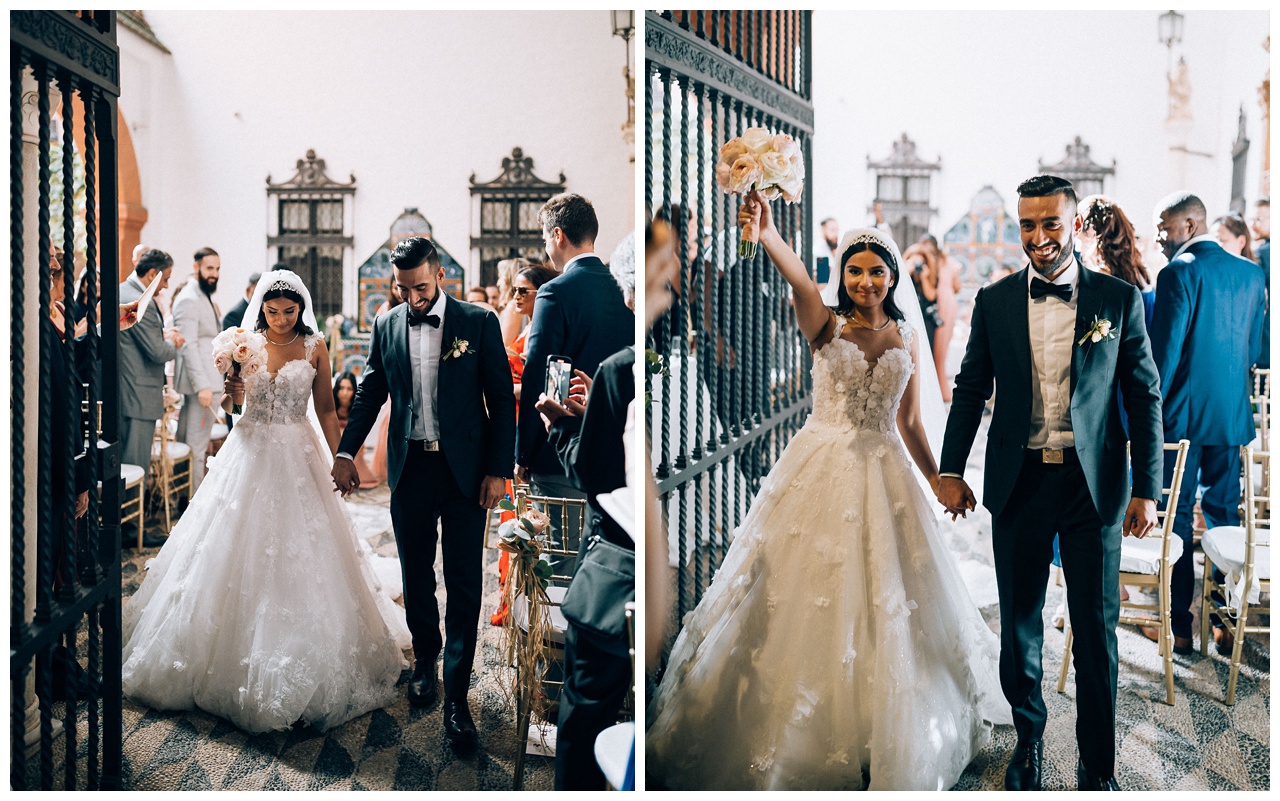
point(240, 352)
point(525, 647)
point(760, 159)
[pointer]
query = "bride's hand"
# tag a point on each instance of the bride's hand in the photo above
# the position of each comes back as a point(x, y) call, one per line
point(755, 211)
point(234, 387)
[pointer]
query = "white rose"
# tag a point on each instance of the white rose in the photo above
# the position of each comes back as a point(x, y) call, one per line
point(242, 353)
point(1105, 327)
point(771, 193)
point(730, 150)
point(757, 140)
point(745, 174)
point(786, 146)
point(792, 188)
point(776, 167)
point(724, 174)
point(222, 362)
point(462, 347)
point(1096, 337)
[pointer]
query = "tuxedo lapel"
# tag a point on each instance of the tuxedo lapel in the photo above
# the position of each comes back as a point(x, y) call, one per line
point(1088, 306)
point(1019, 328)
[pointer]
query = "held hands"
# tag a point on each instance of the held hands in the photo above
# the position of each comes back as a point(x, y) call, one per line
point(1139, 518)
point(955, 494)
point(346, 479)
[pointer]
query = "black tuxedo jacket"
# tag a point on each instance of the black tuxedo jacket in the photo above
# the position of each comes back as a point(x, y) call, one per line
point(582, 315)
point(233, 317)
point(474, 397)
point(999, 355)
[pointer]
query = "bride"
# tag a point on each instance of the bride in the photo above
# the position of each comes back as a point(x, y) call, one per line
point(261, 607)
point(837, 646)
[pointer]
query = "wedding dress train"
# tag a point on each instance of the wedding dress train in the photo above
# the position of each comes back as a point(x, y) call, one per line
point(837, 640)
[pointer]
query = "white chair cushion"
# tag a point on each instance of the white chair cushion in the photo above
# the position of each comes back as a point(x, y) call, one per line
point(132, 473)
point(1224, 545)
point(613, 751)
point(558, 622)
point(177, 450)
point(1142, 556)
point(219, 431)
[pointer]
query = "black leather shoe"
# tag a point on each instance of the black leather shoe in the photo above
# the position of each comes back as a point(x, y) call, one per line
point(1023, 772)
point(458, 725)
point(1088, 782)
point(423, 690)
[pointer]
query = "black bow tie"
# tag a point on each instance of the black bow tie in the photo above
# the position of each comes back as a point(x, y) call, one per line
point(1041, 288)
point(416, 318)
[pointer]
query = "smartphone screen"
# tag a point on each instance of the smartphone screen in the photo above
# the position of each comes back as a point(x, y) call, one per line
point(559, 371)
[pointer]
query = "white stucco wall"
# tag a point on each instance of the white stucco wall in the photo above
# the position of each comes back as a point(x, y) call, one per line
point(994, 92)
point(412, 102)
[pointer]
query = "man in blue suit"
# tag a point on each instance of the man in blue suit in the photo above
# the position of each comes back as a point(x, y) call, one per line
point(1205, 336)
point(580, 315)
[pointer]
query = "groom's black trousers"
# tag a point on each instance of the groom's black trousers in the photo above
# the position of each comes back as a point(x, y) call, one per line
point(428, 493)
point(1047, 500)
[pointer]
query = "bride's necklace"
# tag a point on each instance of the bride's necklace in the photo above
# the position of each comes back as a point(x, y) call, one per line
point(861, 324)
point(282, 344)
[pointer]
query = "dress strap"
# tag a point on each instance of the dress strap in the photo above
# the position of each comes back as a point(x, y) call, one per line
point(310, 343)
point(908, 333)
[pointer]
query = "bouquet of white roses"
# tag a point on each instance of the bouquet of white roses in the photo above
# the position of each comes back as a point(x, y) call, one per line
point(239, 352)
point(760, 159)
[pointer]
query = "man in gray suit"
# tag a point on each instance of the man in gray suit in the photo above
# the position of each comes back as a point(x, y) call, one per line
point(196, 319)
point(144, 349)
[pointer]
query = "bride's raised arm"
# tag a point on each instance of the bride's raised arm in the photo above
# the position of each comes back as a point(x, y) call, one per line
point(812, 315)
point(322, 397)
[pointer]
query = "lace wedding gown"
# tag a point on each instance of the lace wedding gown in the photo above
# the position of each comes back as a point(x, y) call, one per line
point(261, 607)
point(837, 637)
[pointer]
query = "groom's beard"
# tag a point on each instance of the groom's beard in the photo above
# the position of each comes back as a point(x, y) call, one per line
point(1068, 251)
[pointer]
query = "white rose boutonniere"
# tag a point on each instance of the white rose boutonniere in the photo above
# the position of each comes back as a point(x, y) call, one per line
point(1100, 330)
point(459, 348)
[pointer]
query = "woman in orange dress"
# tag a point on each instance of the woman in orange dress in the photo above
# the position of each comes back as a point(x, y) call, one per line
point(524, 292)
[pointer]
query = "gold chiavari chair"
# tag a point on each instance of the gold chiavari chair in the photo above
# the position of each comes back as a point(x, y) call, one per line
point(1243, 553)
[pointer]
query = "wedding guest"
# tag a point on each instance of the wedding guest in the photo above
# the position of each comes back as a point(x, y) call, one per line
point(1108, 240)
point(1206, 334)
point(235, 316)
point(344, 394)
point(948, 308)
point(1261, 224)
point(1232, 232)
point(587, 439)
point(137, 253)
point(581, 315)
point(476, 294)
point(143, 350)
point(491, 292)
point(826, 255)
point(510, 318)
point(921, 262)
point(194, 375)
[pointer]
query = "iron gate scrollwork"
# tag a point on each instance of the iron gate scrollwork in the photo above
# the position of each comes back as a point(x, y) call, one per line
point(735, 386)
point(64, 630)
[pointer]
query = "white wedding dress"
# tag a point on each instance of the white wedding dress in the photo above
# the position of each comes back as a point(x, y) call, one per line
point(261, 607)
point(837, 636)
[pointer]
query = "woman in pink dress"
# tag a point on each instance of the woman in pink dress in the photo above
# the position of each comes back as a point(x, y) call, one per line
point(344, 394)
point(948, 309)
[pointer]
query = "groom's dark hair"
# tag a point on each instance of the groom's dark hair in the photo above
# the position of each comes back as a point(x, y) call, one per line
point(414, 252)
point(1047, 186)
point(572, 214)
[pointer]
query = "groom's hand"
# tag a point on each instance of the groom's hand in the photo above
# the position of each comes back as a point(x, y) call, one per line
point(492, 490)
point(955, 495)
point(345, 477)
point(1139, 518)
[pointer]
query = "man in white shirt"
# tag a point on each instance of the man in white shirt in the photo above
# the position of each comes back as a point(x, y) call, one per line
point(1061, 343)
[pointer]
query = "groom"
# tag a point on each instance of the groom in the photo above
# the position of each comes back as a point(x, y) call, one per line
point(448, 456)
point(1055, 464)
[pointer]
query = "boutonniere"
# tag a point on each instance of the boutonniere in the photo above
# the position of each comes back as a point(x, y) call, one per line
point(459, 348)
point(1100, 330)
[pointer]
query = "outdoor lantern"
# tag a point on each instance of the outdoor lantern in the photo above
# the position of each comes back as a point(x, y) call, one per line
point(624, 23)
point(1170, 28)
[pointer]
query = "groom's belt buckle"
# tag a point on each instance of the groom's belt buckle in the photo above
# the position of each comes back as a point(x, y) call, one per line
point(427, 444)
point(1048, 456)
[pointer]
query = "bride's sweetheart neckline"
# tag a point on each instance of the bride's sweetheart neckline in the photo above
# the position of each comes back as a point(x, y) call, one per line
point(870, 364)
point(272, 376)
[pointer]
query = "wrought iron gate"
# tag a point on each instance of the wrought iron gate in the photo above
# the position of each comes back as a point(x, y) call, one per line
point(736, 382)
point(64, 630)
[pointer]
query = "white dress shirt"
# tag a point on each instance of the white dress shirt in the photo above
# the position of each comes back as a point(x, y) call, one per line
point(1051, 323)
point(579, 257)
point(424, 360)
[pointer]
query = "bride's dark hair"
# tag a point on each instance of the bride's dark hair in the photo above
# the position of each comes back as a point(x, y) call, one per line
point(288, 294)
point(844, 303)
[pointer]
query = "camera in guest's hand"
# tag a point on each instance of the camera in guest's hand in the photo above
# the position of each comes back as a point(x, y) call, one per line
point(559, 373)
